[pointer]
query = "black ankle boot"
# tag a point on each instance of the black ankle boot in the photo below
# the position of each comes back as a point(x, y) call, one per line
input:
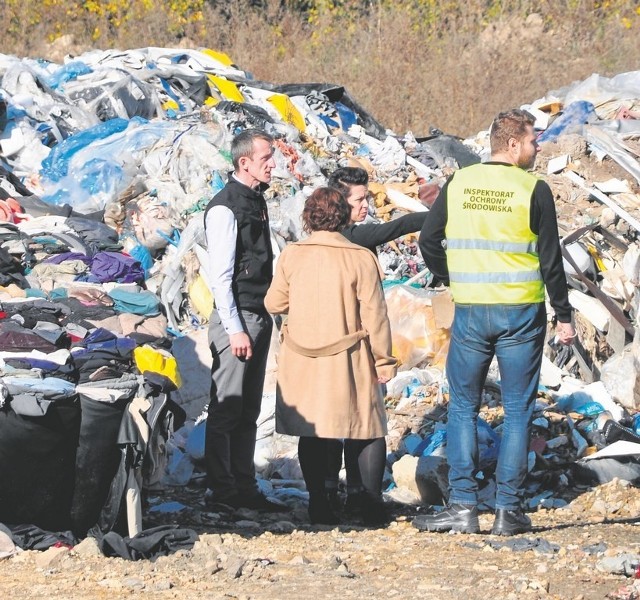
point(353, 504)
point(320, 512)
point(333, 498)
point(455, 517)
point(373, 509)
point(510, 522)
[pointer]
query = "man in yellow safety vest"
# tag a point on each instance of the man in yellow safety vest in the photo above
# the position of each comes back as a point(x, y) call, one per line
point(492, 234)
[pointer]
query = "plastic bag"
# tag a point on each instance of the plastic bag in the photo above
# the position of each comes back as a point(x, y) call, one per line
point(573, 117)
point(90, 169)
point(431, 443)
point(157, 361)
point(416, 337)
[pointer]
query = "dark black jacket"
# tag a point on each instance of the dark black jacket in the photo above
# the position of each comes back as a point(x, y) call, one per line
point(371, 235)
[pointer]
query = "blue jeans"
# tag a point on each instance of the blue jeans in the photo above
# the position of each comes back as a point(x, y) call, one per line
point(515, 333)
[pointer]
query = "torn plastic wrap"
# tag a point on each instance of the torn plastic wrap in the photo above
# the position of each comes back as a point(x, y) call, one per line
point(90, 169)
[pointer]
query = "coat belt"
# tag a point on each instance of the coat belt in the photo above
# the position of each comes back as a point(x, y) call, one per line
point(344, 343)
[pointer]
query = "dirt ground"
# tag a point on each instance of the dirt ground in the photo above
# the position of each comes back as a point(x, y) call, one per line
point(573, 553)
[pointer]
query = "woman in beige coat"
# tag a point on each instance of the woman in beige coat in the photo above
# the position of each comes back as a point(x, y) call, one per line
point(335, 352)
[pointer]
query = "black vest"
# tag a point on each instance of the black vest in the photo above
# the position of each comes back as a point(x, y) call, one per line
point(253, 268)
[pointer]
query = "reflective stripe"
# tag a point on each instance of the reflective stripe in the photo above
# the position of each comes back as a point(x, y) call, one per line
point(514, 247)
point(505, 277)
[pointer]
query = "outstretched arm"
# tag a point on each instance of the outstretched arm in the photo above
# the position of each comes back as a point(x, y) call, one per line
point(371, 235)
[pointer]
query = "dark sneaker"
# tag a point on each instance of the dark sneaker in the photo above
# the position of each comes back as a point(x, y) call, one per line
point(456, 517)
point(217, 503)
point(250, 501)
point(510, 522)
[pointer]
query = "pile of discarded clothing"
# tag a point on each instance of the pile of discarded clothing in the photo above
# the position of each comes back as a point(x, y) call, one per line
point(107, 163)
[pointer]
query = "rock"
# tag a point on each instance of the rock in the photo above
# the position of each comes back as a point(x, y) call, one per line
point(213, 567)
point(542, 568)
point(208, 544)
point(234, 566)
point(134, 583)
point(51, 557)
point(7, 547)
point(343, 571)
point(162, 586)
point(542, 585)
point(282, 527)
point(426, 477)
point(620, 377)
point(608, 217)
point(23, 556)
point(65, 45)
point(111, 583)
point(299, 560)
point(246, 524)
point(624, 564)
point(87, 547)
point(599, 507)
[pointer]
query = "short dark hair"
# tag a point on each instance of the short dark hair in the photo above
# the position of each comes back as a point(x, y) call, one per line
point(325, 210)
point(242, 144)
point(344, 178)
point(510, 124)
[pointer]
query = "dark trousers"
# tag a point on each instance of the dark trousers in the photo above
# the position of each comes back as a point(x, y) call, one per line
point(236, 397)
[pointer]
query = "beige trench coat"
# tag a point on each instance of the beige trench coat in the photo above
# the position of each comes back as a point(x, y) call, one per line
point(336, 342)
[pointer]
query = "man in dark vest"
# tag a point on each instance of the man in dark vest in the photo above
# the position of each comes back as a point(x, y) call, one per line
point(493, 234)
point(241, 268)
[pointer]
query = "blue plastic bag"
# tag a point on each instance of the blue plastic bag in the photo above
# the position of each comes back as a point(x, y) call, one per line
point(68, 72)
point(55, 166)
point(347, 116)
point(570, 121)
point(488, 444)
point(580, 403)
point(195, 442)
point(431, 443)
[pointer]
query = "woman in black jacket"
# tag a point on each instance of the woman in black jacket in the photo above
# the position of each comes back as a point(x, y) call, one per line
point(352, 182)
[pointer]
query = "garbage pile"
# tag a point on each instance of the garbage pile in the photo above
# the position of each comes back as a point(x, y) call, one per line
point(107, 164)
point(587, 426)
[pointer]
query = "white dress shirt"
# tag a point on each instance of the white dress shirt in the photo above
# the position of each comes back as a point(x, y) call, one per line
point(221, 229)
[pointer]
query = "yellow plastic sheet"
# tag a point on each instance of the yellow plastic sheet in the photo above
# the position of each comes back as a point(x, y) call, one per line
point(227, 89)
point(219, 56)
point(170, 104)
point(288, 111)
point(157, 361)
point(201, 297)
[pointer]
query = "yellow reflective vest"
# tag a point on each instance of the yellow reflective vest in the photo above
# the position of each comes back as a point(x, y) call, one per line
point(491, 251)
